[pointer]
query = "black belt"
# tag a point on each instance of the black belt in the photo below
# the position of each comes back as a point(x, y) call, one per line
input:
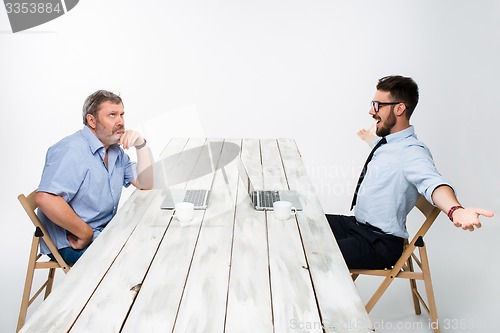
point(376, 229)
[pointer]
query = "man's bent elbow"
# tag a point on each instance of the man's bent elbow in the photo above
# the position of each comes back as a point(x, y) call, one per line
point(144, 185)
point(42, 199)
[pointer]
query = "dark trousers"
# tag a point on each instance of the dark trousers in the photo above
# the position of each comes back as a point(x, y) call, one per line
point(364, 246)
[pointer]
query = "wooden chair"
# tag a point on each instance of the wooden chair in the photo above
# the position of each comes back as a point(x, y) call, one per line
point(404, 268)
point(34, 262)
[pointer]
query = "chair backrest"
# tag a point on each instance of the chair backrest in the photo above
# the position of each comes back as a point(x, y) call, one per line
point(430, 212)
point(29, 205)
point(424, 206)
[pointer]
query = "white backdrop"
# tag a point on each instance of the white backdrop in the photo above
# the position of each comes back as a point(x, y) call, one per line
point(300, 69)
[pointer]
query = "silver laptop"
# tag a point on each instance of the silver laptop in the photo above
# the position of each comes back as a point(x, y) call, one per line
point(264, 199)
point(198, 197)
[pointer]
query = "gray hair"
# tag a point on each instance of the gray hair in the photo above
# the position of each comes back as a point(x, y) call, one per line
point(93, 102)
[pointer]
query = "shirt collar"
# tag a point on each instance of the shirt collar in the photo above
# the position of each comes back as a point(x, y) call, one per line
point(94, 143)
point(410, 131)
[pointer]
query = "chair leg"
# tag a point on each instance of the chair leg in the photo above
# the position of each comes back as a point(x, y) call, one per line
point(30, 272)
point(50, 282)
point(429, 290)
point(378, 293)
point(413, 288)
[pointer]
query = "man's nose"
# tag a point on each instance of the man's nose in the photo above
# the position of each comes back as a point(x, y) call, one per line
point(120, 121)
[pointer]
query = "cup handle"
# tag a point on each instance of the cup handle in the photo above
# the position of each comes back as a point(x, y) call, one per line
point(294, 210)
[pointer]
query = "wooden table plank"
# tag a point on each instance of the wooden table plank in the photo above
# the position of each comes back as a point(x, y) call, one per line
point(249, 297)
point(341, 307)
point(294, 303)
point(203, 306)
point(157, 303)
point(180, 175)
point(203, 173)
point(251, 158)
point(167, 161)
point(61, 309)
point(178, 143)
point(272, 166)
point(110, 303)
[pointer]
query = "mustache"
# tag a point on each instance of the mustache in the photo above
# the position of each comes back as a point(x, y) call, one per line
point(118, 128)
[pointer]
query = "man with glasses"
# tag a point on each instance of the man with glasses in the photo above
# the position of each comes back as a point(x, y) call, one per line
point(84, 175)
point(398, 170)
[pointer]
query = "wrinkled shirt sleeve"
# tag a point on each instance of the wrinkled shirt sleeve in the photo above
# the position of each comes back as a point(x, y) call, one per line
point(62, 174)
point(421, 171)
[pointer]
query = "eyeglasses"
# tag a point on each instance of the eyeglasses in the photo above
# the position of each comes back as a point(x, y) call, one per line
point(376, 105)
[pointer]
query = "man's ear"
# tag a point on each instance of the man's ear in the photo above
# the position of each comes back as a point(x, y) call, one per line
point(91, 121)
point(400, 109)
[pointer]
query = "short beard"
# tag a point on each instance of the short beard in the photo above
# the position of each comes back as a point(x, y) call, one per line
point(388, 124)
point(108, 137)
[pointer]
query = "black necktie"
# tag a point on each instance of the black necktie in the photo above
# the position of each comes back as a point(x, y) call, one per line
point(363, 172)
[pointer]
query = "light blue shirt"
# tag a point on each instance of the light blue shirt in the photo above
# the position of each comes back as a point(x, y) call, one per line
point(398, 173)
point(75, 170)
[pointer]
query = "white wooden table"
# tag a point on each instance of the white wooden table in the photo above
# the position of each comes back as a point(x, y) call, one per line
point(230, 269)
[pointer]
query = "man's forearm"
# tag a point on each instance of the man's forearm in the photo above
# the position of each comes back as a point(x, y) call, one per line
point(444, 198)
point(59, 212)
point(145, 174)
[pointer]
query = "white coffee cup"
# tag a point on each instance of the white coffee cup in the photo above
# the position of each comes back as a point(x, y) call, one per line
point(283, 210)
point(184, 211)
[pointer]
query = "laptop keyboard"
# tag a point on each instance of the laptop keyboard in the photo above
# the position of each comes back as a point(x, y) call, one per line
point(197, 197)
point(267, 198)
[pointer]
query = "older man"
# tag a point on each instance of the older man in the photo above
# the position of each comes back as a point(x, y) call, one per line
point(84, 175)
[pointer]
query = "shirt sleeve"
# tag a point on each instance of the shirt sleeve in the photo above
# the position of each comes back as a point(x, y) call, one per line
point(420, 171)
point(63, 172)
